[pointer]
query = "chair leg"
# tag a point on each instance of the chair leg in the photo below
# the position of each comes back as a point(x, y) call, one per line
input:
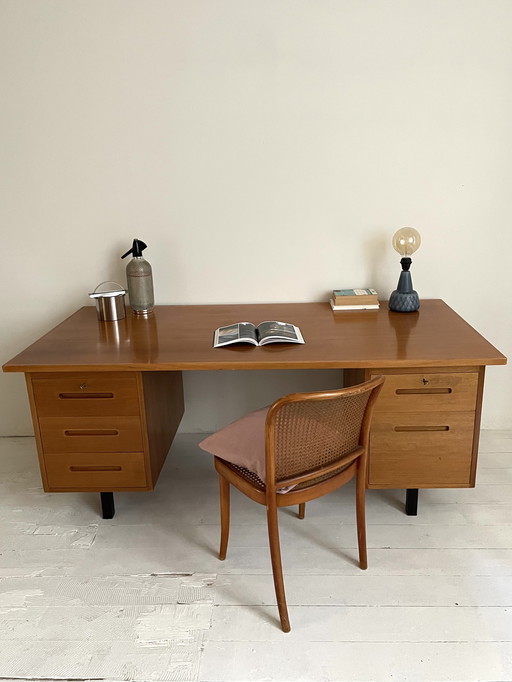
point(277, 568)
point(361, 519)
point(302, 510)
point(224, 517)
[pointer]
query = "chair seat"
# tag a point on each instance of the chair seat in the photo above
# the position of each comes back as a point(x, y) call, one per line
point(256, 481)
point(247, 475)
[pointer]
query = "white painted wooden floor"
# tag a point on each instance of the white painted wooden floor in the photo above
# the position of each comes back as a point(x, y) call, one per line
point(143, 596)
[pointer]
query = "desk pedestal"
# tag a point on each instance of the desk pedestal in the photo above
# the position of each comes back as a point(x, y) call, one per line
point(425, 428)
point(104, 431)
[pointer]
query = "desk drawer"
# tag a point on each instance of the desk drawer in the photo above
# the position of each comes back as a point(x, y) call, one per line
point(85, 394)
point(90, 434)
point(86, 471)
point(421, 449)
point(455, 391)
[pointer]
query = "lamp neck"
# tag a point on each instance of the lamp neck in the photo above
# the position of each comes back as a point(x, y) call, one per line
point(406, 263)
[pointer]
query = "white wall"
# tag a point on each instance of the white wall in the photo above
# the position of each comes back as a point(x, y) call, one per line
point(266, 150)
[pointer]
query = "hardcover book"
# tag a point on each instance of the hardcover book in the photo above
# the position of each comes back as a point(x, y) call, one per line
point(354, 297)
point(367, 306)
point(265, 332)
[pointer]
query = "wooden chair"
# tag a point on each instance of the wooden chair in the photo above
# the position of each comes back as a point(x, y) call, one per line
point(314, 442)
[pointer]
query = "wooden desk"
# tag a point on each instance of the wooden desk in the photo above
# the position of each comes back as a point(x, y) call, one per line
point(107, 397)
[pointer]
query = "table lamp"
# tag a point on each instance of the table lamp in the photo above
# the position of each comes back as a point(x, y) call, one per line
point(404, 299)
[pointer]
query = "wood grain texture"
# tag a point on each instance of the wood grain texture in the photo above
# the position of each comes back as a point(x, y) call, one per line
point(37, 433)
point(108, 415)
point(476, 427)
point(421, 449)
point(424, 440)
point(180, 338)
point(95, 471)
point(91, 434)
point(86, 394)
point(163, 410)
point(427, 391)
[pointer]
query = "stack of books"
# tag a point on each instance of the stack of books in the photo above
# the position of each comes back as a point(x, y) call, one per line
point(354, 299)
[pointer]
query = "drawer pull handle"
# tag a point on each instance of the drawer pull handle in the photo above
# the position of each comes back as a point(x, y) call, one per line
point(423, 391)
point(421, 428)
point(84, 396)
point(95, 468)
point(91, 432)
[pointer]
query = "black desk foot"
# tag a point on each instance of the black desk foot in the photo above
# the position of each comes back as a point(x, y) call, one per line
point(411, 501)
point(107, 505)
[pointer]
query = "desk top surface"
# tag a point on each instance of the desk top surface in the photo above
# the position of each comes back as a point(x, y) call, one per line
point(180, 338)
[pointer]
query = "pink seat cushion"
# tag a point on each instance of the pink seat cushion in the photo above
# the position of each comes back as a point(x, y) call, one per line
point(242, 442)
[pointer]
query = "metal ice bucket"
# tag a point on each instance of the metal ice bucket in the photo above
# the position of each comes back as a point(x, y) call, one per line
point(109, 304)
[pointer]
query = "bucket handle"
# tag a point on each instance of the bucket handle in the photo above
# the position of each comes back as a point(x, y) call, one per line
point(108, 281)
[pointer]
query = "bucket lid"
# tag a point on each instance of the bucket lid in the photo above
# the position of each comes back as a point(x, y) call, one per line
point(109, 293)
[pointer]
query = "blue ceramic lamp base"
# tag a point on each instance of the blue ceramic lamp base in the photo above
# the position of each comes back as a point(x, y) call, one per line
point(404, 299)
point(401, 302)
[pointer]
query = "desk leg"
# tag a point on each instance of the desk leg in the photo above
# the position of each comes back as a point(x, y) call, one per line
point(107, 505)
point(411, 502)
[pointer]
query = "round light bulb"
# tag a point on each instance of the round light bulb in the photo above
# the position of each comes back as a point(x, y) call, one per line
point(406, 241)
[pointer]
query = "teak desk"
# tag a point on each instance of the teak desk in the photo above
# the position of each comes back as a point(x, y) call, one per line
point(107, 397)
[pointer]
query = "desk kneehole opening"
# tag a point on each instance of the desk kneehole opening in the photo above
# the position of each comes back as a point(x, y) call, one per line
point(408, 429)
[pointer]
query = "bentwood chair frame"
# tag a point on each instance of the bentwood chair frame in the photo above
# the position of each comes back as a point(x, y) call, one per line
point(315, 442)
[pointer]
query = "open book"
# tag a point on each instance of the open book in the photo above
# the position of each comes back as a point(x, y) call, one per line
point(265, 332)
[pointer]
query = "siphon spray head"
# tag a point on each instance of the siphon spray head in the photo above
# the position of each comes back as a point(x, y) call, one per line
point(138, 247)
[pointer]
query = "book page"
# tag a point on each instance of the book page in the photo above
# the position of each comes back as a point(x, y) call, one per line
point(235, 333)
point(270, 331)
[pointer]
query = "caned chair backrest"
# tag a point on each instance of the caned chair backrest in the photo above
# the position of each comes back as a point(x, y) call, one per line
point(312, 431)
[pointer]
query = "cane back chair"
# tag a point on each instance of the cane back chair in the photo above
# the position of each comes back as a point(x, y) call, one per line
point(314, 443)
